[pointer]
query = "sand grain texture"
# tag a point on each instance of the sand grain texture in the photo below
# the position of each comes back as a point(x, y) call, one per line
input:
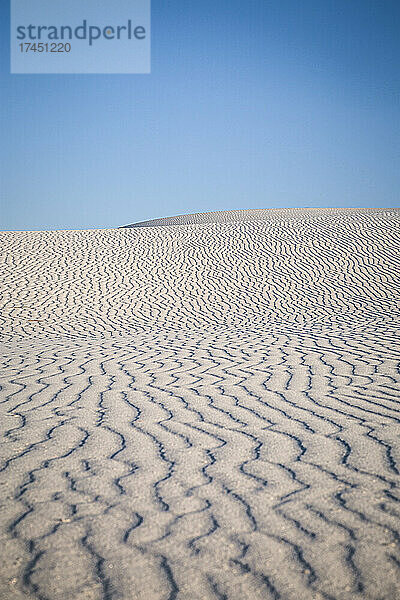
point(206, 409)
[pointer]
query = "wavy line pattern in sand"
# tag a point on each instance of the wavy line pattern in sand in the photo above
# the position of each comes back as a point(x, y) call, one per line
point(202, 411)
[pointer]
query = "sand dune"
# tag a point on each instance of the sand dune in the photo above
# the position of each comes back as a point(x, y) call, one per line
point(202, 407)
point(256, 214)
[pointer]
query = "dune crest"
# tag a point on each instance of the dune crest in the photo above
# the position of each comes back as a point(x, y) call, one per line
point(255, 214)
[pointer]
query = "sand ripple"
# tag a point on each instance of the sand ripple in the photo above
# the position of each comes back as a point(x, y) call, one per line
point(202, 408)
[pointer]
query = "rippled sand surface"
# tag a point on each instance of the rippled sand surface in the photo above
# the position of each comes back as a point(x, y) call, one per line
point(204, 407)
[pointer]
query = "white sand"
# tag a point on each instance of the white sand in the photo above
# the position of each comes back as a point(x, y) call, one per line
point(202, 411)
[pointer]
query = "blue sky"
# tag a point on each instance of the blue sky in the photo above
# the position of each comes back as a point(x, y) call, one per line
point(250, 104)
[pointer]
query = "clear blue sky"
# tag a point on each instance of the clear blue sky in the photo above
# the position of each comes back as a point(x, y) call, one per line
point(250, 104)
